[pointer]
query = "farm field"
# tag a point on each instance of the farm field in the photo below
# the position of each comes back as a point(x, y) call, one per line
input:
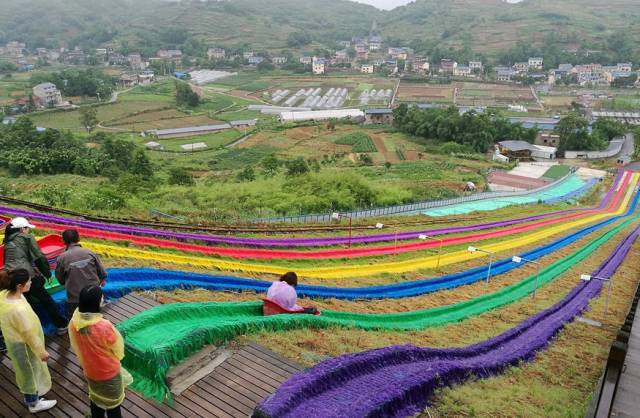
point(493, 95)
point(420, 92)
point(13, 88)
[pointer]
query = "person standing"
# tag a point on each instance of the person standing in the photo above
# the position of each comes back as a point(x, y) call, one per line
point(25, 342)
point(77, 268)
point(21, 251)
point(99, 347)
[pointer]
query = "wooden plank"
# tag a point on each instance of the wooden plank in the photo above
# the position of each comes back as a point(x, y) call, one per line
point(238, 392)
point(270, 353)
point(258, 375)
point(274, 368)
point(12, 397)
point(222, 376)
point(281, 362)
point(247, 380)
point(227, 399)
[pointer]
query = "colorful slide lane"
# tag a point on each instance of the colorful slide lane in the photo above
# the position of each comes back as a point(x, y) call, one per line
point(568, 186)
point(359, 270)
point(398, 381)
point(252, 253)
point(124, 281)
point(165, 335)
point(268, 242)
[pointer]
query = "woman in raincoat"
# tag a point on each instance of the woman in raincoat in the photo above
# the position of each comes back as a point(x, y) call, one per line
point(25, 342)
point(99, 347)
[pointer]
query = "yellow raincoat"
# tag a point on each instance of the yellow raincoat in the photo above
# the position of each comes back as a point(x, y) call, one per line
point(25, 345)
point(100, 347)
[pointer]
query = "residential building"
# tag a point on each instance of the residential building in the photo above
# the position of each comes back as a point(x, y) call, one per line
point(475, 65)
point(118, 59)
point(624, 67)
point(382, 116)
point(255, 60)
point(169, 53)
point(361, 48)
point(547, 139)
point(362, 56)
point(41, 52)
point(366, 68)
point(306, 60)
point(591, 74)
point(216, 53)
point(375, 43)
point(247, 54)
point(345, 44)
point(342, 57)
point(448, 66)
point(462, 71)
point(318, 66)
point(128, 80)
point(525, 150)
point(279, 60)
point(398, 53)
point(146, 77)
point(521, 67)
point(15, 48)
point(420, 65)
point(505, 74)
point(47, 95)
point(536, 63)
point(135, 62)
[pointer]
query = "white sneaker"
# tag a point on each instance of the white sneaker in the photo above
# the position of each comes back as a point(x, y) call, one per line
point(42, 405)
point(62, 331)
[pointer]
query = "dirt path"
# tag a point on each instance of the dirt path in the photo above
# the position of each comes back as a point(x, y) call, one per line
point(388, 156)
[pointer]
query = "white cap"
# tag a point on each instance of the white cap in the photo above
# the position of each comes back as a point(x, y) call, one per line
point(21, 222)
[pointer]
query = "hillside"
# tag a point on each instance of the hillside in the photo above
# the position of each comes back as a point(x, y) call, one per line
point(485, 26)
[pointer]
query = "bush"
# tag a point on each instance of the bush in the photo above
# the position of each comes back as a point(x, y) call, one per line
point(180, 176)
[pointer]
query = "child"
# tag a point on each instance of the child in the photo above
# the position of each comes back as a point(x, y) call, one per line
point(99, 347)
point(24, 338)
point(283, 292)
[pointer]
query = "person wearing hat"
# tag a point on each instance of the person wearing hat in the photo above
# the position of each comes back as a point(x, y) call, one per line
point(21, 251)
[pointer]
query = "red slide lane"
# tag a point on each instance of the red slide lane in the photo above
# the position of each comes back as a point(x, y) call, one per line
point(251, 253)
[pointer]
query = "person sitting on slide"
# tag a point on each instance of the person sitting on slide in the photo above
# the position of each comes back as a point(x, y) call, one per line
point(283, 293)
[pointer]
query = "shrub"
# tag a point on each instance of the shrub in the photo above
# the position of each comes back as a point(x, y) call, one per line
point(180, 176)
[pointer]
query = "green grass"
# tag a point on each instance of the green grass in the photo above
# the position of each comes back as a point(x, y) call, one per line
point(557, 171)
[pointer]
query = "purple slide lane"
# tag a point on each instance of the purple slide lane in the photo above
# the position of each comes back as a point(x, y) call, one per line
point(397, 381)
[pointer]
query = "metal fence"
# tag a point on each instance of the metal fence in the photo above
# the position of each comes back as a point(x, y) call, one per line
point(408, 208)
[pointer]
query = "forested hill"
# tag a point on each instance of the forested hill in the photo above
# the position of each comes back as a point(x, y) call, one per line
point(484, 26)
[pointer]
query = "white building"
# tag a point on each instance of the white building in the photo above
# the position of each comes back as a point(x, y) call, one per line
point(462, 71)
point(536, 63)
point(318, 66)
point(321, 115)
point(216, 53)
point(624, 67)
point(279, 60)
point(475, 65)
point(366, 69)
point(47, 95)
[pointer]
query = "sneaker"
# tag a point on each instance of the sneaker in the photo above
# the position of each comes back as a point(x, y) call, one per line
point(62, 331)
point(42, 405)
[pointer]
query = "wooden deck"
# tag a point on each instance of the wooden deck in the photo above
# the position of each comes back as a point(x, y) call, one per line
point(625, 403)
point(233, 389)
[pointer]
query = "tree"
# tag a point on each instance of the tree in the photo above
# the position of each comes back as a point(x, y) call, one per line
point(185, 96)
point(298, 39)
point(270, 165)
point(247, 174)
point(141, 164)
point(609, 128)
point(574, 134)
point(296, 167)
point(89, 118)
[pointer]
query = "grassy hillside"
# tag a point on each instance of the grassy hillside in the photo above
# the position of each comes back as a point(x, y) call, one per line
point(486, 26)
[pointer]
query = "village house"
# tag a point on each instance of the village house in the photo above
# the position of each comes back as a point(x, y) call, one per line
point(318, 66)
point(521, 67)
point(345, 44)
point(375, 43)
point(383, 116)
point(255, 60)
point(47, 95)
point(342, 57)
point(448, 66)
point(169, 54)
point(146, 77)
point(306, 60)
point(366, 68)
point(398, 53)
point(624, 67)
point(505, 73)
point(117, 59)
point(15, 48)
point(547, 139)
point(362, 56)
point(462, 71)
point(41, 52)
point(128, 80)
point(216, 53)
point(475, 65)
point(361, 48)
point(247, 54)
point(135, 62)
point(536, 63)
point(279, 60)
point(420, 64)
point(76, 56)
point(590, 74)
point(525, 151)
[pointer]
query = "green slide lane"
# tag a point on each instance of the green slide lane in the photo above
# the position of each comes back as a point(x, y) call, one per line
point(165, 335)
